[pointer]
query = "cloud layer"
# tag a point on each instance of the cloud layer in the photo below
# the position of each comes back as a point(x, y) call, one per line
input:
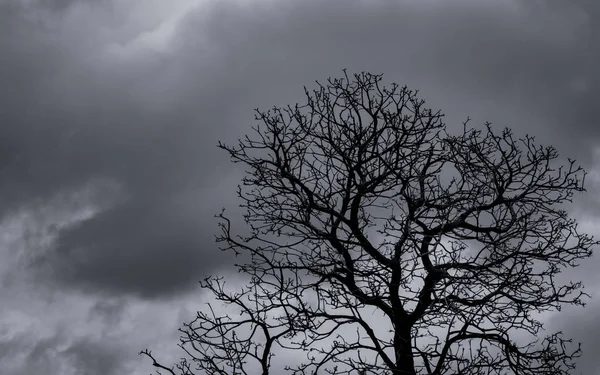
point(111, 111)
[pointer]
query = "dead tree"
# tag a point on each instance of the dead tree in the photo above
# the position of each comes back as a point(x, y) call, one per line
point(379, 243)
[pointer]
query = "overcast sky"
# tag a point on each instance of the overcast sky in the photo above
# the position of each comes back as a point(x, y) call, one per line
point(110, 111)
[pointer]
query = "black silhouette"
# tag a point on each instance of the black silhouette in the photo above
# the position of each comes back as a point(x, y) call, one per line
point(381, 244)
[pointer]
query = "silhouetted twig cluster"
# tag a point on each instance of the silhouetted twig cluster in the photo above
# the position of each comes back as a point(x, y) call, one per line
point(359, 202)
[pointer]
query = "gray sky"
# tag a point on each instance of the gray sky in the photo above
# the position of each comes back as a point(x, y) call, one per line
point(110, 112)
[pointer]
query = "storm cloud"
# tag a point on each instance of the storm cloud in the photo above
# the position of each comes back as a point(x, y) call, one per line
point(110, 112)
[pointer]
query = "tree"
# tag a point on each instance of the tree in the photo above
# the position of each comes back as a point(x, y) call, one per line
point(360, 202)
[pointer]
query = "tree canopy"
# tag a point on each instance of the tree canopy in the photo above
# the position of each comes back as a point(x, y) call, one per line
point(360, 203)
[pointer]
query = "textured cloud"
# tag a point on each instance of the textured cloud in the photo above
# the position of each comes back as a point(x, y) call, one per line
point(110, 112)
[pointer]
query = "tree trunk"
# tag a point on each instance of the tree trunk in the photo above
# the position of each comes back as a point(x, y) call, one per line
point(405, 364)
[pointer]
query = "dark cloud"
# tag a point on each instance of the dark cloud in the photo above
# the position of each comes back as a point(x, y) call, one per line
point(581, 324)
point(515, 63)
point(158, 250)
point(109, 312)
point(53, 355)
point(69, 124)
point(95, 357)
point(92, 96)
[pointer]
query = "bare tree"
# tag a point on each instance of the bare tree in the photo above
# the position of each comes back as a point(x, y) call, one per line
point(360, 202)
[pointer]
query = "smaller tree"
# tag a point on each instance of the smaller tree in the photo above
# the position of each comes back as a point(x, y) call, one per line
point(360, 202)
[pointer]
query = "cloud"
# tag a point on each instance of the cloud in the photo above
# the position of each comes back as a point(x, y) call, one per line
point(115, 107)
point(71, 123)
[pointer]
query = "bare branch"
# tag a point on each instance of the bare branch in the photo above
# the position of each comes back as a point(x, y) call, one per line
point(359, 202)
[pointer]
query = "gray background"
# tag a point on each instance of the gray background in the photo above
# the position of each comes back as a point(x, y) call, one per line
point(110, 111)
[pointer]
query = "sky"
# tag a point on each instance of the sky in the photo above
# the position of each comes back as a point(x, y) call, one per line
point(110, 112)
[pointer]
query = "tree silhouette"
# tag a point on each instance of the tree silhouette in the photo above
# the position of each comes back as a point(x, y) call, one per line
point(381, 244)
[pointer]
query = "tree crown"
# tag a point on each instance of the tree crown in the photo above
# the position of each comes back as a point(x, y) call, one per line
point(361, 200)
